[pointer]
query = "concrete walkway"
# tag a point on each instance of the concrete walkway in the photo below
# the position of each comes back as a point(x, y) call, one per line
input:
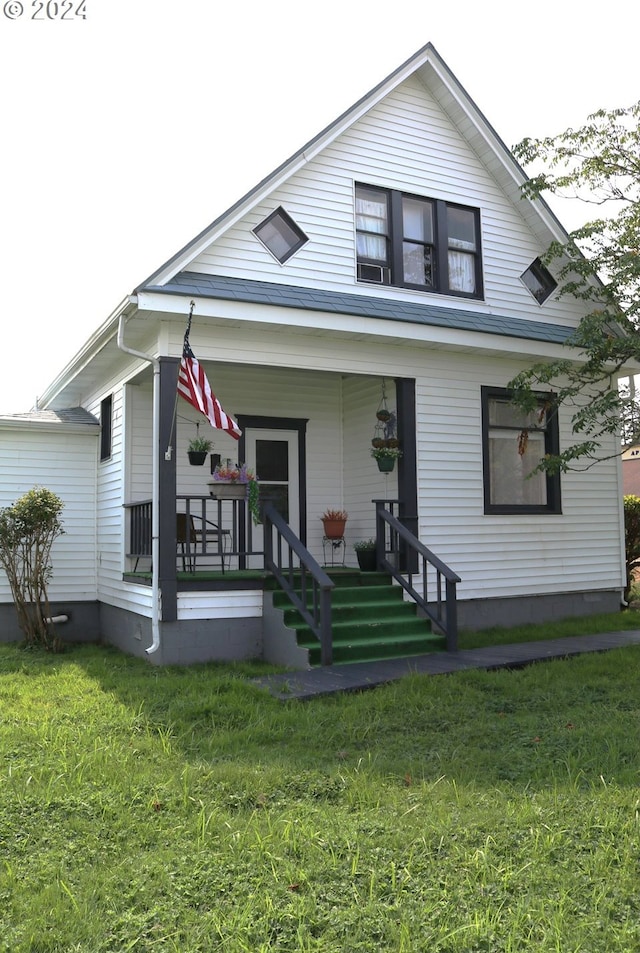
point(361, 675)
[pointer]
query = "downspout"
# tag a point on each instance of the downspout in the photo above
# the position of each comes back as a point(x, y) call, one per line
point(155, 487)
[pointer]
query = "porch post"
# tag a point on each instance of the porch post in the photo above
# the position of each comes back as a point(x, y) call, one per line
point(167, 498)
point(407, 463)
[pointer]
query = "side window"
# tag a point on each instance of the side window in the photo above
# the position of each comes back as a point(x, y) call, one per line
point(539, 281)
point(513, 444)
point(106, 425)
point(280, 235)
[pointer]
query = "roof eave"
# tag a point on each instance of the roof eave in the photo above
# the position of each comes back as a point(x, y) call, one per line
point(99, 339)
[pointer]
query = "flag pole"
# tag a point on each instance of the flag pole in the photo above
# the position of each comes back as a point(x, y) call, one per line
point(169, 450)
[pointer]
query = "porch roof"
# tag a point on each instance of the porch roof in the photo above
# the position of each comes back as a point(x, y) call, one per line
point(315, 299)
point(65, 417)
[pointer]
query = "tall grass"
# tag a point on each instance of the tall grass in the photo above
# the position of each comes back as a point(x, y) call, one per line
point(155, 810)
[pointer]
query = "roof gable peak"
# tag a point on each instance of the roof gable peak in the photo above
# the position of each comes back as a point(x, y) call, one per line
point(436, 75)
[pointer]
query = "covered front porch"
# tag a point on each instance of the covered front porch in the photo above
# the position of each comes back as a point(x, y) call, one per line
point(209, 545)
point(306, 434)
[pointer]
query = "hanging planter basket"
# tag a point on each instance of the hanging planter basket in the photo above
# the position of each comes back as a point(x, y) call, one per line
point(197, 457)
point(386, 464)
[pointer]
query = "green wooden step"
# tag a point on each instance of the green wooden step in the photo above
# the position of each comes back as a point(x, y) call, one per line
point(370, 620)
point(387, 627)
point(374, 649)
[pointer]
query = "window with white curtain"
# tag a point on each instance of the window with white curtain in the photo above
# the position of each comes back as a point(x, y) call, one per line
point(417, 242)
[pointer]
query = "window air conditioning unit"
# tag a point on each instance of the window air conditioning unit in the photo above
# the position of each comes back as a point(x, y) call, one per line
point(378, 274)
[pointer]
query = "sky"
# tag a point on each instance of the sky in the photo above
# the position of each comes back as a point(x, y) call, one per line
point(126, 131)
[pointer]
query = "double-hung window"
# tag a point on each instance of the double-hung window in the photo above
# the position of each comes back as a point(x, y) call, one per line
point(514, 442)
point(372, 235)
point(415, 242)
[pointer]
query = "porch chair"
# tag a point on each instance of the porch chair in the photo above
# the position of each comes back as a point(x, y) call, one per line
point(189, 536)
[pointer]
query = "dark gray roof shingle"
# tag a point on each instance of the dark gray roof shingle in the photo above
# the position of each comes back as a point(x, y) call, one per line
point(70, 415)
point(315, 299)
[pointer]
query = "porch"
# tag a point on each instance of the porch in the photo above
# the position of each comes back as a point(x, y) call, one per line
point(214, 562)
point(334, 613)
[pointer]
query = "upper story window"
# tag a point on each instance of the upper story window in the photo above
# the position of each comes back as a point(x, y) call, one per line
point(514, 442)
point(280, 235)
point(415, 242)
point(539, 281)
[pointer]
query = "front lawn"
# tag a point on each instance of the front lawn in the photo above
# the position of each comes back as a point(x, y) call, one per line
point(187, 811)
point(564, 628)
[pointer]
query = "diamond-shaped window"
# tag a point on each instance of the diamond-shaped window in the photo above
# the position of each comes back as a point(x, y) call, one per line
point(539, 281)
point(280, 235)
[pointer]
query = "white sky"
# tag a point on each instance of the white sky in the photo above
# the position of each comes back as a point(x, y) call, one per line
point(125, 134)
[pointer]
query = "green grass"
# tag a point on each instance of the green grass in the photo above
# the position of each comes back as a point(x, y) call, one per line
point(163, 810)
point(584, 625)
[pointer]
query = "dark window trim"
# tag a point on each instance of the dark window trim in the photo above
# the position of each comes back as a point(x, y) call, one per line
point(553, 506)
point(279, 212)
point(544, 277)
point(106, 427)
point(394, 267)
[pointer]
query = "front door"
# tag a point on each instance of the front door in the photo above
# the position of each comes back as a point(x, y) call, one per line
point(273, 454)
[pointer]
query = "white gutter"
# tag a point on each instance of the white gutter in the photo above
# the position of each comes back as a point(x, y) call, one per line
point(155, 488)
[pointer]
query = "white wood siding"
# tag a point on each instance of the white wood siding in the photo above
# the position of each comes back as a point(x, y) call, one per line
point(362, 479)
point(407, 142)
point(111, 491)
point(581, 549)
point(245, 604)
point(64, 463)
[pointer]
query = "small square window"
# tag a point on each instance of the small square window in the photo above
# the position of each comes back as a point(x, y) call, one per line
point(539, 281)
point(280, 235)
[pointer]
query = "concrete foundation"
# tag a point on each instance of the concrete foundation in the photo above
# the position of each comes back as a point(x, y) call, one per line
point(83, 624)
point(185, 642)
point(226, 640)
point(520, 610)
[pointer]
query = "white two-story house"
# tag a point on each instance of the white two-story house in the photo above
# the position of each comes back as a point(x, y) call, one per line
point(392, 261)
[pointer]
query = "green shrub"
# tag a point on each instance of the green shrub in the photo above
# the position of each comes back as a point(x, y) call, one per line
point(27, 532)
point(631, 537)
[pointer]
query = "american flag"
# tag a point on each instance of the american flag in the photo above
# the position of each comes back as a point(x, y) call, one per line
point(194, 387)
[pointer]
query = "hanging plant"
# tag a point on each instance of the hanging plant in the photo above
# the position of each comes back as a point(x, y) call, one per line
point(383, 414)
point(197, 450)
point(386, 457)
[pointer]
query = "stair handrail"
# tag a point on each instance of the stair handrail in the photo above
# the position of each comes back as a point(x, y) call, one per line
point(313, 579)
point(445, 615)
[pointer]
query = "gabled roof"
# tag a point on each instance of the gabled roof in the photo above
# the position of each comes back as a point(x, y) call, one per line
point(316, 299)
point(462, 110)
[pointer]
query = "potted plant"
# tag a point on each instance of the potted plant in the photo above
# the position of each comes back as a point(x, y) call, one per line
point(366, 553)
point(334, 522)
point(237, 482)
point(197, 450)
point(386, 457)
